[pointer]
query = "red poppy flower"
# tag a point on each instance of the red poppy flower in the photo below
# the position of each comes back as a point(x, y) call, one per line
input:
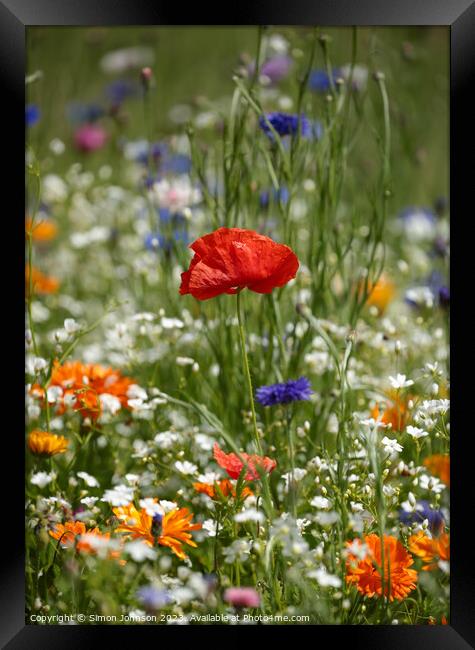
point(233, 464)
point(229, 259)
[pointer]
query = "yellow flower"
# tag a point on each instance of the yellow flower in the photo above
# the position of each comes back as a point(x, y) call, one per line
point(44, 443)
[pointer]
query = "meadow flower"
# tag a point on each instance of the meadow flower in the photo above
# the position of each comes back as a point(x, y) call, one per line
point(84, 386)
point(242, 597)
point(234, 464)
point(418, 224)
point(430, 483)
point(400, 381)
point(431, 550)
point(153, 598)
point(419, 512)
point(322, 503)
point(120, 495)
point(324, 578)
point(221, 488)
point(415, 432)
point(140, 551)
point(380, 294)
point(365, 575)
point(42, 479)
point(125, 59)
point(32, 114)
point(41, 283)
point(391, 445)
point(439, 464)
point(172, 530)
point(274, 69)
point(185, 467)
point(319, 80)
point(67, 533)
point(292, 390)
point(90, 137)
point(44, 443)
point(90, 481)
point(41, 231)
point(230, 259)
point(238, 551)
point(396, 412)
point(284, 124)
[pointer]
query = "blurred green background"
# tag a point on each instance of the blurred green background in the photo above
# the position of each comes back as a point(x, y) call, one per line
point(194, 62)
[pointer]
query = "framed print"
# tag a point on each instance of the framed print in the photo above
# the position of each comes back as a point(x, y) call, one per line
point(239, 331)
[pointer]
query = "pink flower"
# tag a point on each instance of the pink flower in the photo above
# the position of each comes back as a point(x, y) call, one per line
point(242, 597)
point(90, 137)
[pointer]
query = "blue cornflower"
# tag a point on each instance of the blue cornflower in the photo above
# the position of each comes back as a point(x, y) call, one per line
point(153, 598)
point(155, 240)
point(158, 151)
point(423, 511)
point(32, 114)
point(319, 80)
point(176, 164)
point(80, 113)
point(293, 390)
point(285, 124)
point(280, 195)
point(120, 90)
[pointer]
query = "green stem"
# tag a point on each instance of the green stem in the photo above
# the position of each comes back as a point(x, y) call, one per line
point(247, 373)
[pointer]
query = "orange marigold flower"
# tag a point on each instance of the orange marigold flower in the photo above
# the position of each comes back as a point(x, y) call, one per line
point(41, 231)
point(85, 544)
point(430, 549)
point(233, 464)
point(84, 384)
point(172, 529)
point(365, 573)
point(66, 533)
point(221, 488)
point(381, 294)
point(439, 464)
point(44, 443)
point(396, 412)
point(41, 283)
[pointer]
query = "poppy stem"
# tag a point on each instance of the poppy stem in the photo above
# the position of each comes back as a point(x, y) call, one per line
point(247, 373)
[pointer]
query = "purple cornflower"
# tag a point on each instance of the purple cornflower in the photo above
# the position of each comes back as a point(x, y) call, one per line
point(293, 390)
point(153, 598)
point(285, 124)
point(424, 511)
point(275, 68)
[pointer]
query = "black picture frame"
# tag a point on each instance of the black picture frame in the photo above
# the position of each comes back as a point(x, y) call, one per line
point(459, 16)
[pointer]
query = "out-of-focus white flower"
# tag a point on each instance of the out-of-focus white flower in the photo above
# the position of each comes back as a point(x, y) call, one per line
point(209, 525)
point(238, 551)
point(184, 361)
point(41, 479)
point(175, 195)
point(431, 483)
point(140, 551)
point(71, 326)
point(127, 58)
point(120, 495)
point(53, 189)
point(324, 578)
point(166, 439)
point(110, 403)
point(90, 481)
point(415, 432)
point(400, 381)
point(171, 323)
point(391, 445)
point(185, 467)
point(251, 514)
point(321, 503)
